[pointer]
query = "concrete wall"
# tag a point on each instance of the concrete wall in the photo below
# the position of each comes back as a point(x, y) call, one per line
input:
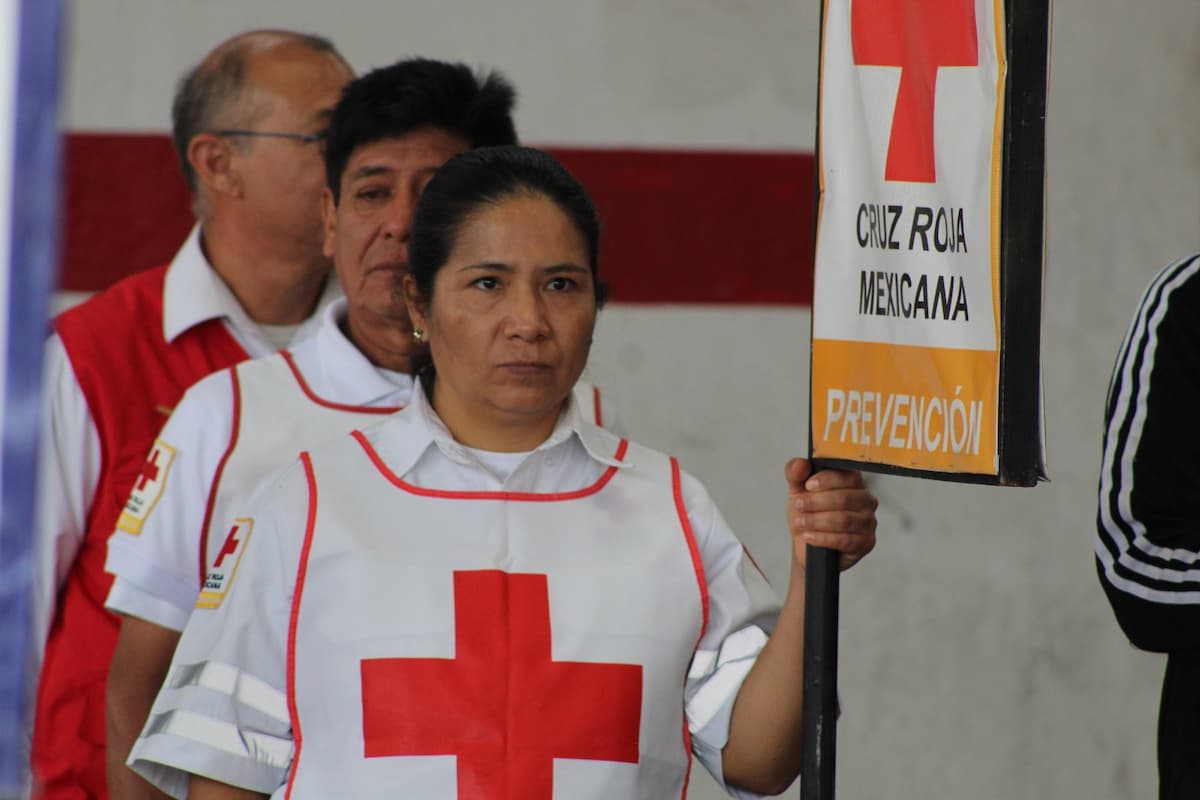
point(979, 658)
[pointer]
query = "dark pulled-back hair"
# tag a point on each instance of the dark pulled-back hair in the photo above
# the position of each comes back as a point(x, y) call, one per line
point(487, 176)
point(418, 93)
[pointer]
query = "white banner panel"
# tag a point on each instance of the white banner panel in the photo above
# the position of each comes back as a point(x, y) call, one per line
point(912, 111)
point(907, 324)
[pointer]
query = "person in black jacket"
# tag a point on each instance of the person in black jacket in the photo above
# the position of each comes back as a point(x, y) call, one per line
point(1148, 530)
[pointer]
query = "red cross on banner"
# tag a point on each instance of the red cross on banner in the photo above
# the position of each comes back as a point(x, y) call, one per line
point(149, 471)
point(919, 36)
point(502, 706)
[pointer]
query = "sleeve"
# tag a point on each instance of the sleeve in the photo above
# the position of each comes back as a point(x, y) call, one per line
point(68, 473)
point(223, 710)
point(1147, 542)
point(154, 554)
point(742, 612)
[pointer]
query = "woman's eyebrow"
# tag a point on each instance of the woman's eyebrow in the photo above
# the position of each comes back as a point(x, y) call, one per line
point(564, 267)
point(490, 266)
point(499, 266)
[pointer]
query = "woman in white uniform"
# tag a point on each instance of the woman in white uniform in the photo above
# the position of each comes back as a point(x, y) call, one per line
point(486, 595)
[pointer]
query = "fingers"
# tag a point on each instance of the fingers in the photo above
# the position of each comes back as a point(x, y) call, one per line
point(797, 472)
point(828, 479)
point(831, 509)
point(852, 546)
point(835, 521)
point(832, 500)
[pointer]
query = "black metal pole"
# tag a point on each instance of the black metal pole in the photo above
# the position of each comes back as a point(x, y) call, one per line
point(820, 603)
point(820, 673)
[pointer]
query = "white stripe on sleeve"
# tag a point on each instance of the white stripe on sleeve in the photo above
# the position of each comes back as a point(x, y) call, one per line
point(1129, 394)
point(241, 686)
point(223, 736)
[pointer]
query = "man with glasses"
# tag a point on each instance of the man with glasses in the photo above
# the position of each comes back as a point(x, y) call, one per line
point(248, 124)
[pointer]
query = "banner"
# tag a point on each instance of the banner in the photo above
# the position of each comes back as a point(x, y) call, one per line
point(29, 197)
point(929, 238)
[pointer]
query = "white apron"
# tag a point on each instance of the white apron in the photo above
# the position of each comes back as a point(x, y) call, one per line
point(487, 645)
point(275, 416)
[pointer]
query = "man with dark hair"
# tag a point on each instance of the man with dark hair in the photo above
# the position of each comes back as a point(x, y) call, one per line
point(392, 128)
point(248, 123)
point(179, 543)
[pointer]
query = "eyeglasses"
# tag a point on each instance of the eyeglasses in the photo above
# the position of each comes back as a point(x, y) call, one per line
point(307, 138)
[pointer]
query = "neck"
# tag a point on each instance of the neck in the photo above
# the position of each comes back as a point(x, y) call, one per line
point(381, 340)
point(491, 430)
point(275, 286)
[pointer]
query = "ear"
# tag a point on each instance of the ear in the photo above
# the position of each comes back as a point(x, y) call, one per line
point(329, 221)
point(416, 306)
point(212, 159)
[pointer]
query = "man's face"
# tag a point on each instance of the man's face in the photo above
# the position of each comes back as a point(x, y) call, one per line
point(367, 231)
point(294, 91)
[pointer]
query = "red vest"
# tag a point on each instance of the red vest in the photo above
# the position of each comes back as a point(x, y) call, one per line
point(131, 379)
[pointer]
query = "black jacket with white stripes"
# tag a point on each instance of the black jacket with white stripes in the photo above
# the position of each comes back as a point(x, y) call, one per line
point(1148, 521)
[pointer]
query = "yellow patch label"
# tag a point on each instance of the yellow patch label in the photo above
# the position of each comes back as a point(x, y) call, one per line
point(219, 576)
point(147, 488)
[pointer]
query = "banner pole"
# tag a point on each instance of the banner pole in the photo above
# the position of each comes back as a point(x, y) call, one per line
point(820, 673)
point(819, 678)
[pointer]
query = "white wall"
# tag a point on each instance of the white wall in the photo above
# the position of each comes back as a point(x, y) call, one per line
point(979, 658)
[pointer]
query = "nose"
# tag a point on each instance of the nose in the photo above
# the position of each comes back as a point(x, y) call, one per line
point(397, 223)
point(527, 319)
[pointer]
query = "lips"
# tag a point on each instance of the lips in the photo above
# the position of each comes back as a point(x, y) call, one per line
point(526, 367)
point(397, 267)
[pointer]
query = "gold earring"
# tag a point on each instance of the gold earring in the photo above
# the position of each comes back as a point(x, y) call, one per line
point(418, 335)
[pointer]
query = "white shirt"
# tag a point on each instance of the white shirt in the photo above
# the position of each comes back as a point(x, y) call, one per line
point(156, 570)
point(234, 657)
point(69, 448)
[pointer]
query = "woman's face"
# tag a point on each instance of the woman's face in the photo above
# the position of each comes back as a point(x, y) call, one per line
point(511, 317)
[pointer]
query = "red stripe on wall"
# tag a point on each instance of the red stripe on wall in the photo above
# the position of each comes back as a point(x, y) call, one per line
point(679, 226)
point(126, 208)
point(702, 227)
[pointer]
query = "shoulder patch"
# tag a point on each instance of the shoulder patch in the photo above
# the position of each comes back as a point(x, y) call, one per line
point(147, 488)
point(219, 576)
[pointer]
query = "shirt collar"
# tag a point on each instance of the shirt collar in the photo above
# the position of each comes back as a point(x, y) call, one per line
point(193, 293)
point(348, 375)
point(426, 429)
point(599, 443)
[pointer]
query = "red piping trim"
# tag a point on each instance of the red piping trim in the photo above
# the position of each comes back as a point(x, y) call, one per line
point(596, 403)
point(702, 582)
point(321, 401)
point(210, 504)
point(301, 573)
point(746, 550)
point(687, 749)
point(693, 548)
point(529, 497)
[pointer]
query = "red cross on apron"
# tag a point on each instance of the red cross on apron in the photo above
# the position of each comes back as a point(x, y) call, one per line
point(502, 706)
